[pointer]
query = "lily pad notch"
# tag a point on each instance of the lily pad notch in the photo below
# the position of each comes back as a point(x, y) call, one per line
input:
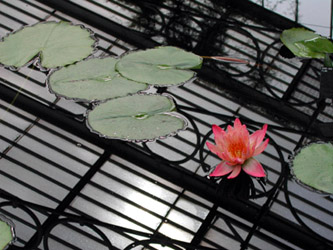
point(51, 44)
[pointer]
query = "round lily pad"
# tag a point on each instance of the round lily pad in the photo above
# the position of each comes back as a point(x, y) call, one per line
point(140, 117)
point(7, 234)
point(313, 166)
point(93, 79)
point(306, 43)
point(56, 44)
point(161, 66)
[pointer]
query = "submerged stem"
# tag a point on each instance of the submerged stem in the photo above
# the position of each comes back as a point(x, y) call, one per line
point(328, 61)
point(17, 93)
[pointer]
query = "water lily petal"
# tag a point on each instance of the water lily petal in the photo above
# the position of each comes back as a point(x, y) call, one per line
point(230, 129)
point(252, 148)
point(239, 130)
point(239, 126)
point(219, 134)
point(260, 148)
point(237, 123)
point(235, 172)
point(254, 168)
point(222, 169)
point(239, 161)
point(258, 136)
point(215, 149)
point(226, 157)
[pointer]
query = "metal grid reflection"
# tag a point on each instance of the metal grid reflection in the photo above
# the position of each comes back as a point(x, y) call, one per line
point(65, 175)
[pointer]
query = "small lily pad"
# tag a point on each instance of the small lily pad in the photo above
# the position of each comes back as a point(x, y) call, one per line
point(305, 43)
point(56, 43)
point(313, 166)
point(161, 66)
point(93, 79)
point(140, 117)
point(6, 232)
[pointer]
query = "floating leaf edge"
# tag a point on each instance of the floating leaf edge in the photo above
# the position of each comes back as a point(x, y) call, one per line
point(11, 225)
point(161, 137)
point(91, 57)
point(299, 181)
point(36, 60)
point(320, 55)
point(165, 85)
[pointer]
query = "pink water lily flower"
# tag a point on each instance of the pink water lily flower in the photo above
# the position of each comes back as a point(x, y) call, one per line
point(236, 147)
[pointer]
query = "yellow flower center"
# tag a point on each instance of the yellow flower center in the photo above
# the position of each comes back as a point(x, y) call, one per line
point(236, 149)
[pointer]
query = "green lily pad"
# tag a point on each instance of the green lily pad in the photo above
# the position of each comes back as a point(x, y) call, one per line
point(161, 66)
point(6, 232)
point(140, 117)
point(93, 79)
point(305, 43)
point(56, 44)
point(313, 166)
